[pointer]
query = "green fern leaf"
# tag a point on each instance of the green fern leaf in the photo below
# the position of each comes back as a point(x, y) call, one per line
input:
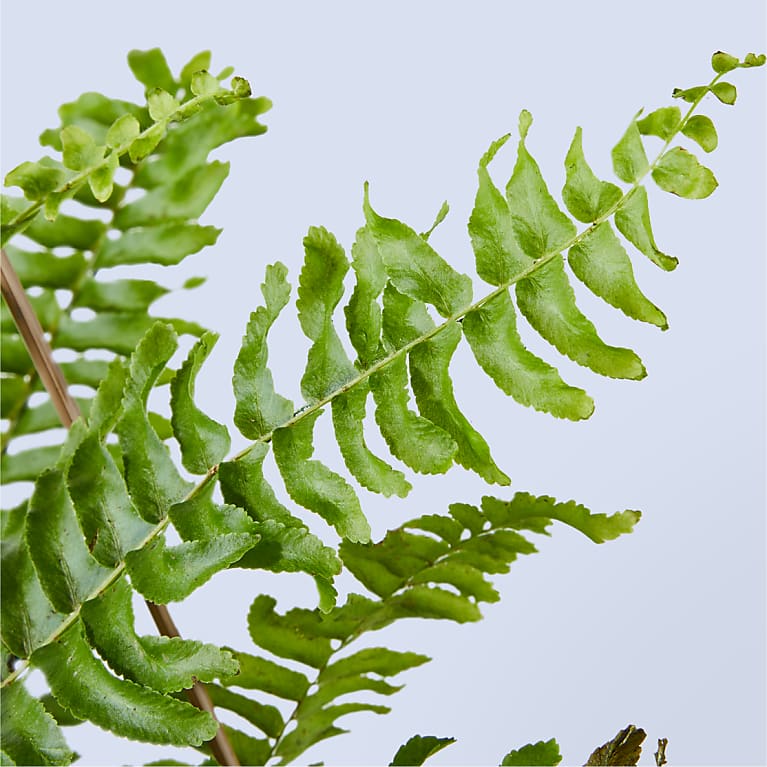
point(663, 123)
point(585, 196)
point(68, 572)
point(630, 161)
point(79, 149)
point(185, 198)
point(150, 474)
point(267, 718)
point(243, 485)
point(190, 143)
point(265, 675)
point(313, 485)
point(285, 545)
point(363, 313)
point(165, 574)
point(259, 408)
point(28, 618)
point(416, 441)
point(165, 664)
point(199, 517)
point(492, 334)
point(120, 295)
point(204, 442)
point(116, 332)
point(633, 222)
point(44, 269)
point(28, 465)
point(29, 733)
point(288, 636)
point(405, 321)
point(539, 225)
point(369, 470)
point(701, 130)
point(524, 509)
point(320, 289)
point(548, 302)
point(680, 173)
point(165, 244)
point(406, 571)
point(491, 330)
point(542, 754)
point(37, 180)
point(151, 69)
point(118, 705)
point(108, 519)
point(319, 725)
point(498, 255)
point(600, 262)
point(413, 266)
point(372, 660)
point(418, 749)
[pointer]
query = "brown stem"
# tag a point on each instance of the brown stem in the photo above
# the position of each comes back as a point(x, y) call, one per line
point(34, 339)
point(55, 384)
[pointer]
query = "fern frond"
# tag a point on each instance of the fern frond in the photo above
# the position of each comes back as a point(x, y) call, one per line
point(88, 524)
point(519, 239)
point(164, 146)
point(434, 566)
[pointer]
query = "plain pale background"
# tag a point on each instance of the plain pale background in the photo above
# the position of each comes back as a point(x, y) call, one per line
point(664, 628)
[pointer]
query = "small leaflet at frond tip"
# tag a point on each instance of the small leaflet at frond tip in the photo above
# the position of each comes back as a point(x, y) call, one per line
point(722, 62)
point(701, 129)
point(203, 83)
point(525, 121)
point(662, 123)
point(752, 60)
point(680, 173)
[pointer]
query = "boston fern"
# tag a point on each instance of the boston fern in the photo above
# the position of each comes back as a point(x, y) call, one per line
point(93, 531)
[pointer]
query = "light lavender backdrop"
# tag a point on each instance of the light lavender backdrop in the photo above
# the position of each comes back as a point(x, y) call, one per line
point(665, 628)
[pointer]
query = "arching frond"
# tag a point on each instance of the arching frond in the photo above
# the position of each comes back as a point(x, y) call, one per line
point(95, 526)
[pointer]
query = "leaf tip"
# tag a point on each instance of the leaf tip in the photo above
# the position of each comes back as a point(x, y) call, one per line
point(525, 121)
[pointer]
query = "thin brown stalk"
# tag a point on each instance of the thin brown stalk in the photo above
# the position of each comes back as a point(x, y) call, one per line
point(56, 385)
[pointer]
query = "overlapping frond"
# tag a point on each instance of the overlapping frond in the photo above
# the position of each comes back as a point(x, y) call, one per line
point(435, 566)
point(161, 151)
